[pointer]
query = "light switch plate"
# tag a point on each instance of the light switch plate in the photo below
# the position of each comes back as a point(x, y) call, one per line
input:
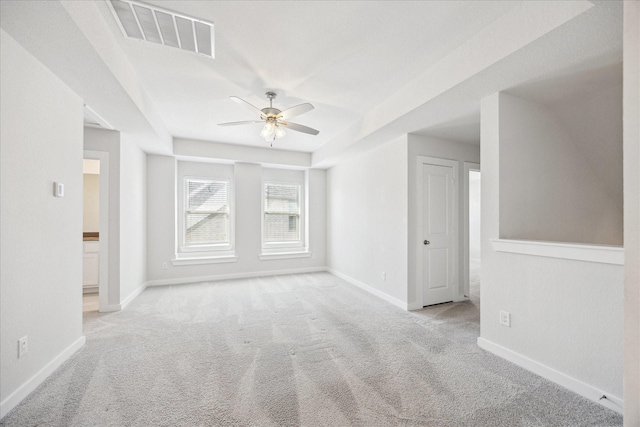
point(58, 189)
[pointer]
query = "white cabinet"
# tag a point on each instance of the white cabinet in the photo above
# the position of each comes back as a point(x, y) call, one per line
point(91, 266)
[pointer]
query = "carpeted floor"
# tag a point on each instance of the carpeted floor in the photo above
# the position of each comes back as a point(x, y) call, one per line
point(294, 350)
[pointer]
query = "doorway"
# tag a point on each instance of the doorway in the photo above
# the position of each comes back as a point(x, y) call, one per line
point(100, 242)
point(472, 211)
point(438, 230)
point(90, 234)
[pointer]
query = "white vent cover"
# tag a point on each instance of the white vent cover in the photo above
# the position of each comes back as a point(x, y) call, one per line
point(144, 22)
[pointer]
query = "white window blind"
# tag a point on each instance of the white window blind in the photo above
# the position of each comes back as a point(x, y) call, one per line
point(281, 213)
point(206, 210)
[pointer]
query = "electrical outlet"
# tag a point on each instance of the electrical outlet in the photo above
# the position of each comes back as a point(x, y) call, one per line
point(384, 276)
point(23, 346)
point(505, 318)
point(164, 265)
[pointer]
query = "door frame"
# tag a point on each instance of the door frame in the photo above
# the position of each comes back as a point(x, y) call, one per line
point(468, 166)
point(103, 227)
point(419, 228)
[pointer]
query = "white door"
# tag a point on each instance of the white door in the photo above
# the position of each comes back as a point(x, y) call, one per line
point(438, 239)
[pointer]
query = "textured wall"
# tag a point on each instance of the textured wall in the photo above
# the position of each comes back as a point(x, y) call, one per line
point(565, 314)
point(632, 213)
point(133, 216)
point(548, 188)
point(367, 218)
point(41, 264)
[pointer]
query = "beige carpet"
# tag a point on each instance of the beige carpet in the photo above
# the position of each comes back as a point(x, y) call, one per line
point(294, 350)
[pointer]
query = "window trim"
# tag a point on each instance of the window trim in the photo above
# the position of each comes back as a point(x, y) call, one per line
point(284, 247)
point(200, 251)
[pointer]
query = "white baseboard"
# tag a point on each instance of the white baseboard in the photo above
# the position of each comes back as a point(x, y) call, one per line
point(371, 290)
point(575, 385)
point(132, 296)
point(30, 385)
point(180, 281)
point(111, 308)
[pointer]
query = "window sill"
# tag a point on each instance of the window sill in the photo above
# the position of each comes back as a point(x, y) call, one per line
point(574, 251)
point(204, 260)
point(284, 255)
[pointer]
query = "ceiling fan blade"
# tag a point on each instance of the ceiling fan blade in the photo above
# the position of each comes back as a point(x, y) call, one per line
point(246, 122)
point(296, 111)
point(246, 104)
point(300, 128)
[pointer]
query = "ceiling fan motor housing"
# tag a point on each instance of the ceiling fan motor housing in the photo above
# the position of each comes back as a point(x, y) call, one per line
point(269, 111)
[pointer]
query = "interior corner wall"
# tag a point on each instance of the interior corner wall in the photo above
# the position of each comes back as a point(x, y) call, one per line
point(367, 220)
point(631, 105)
point(566, 315)
point(109, 141)
point(133, 217)
point(162, 173)
point(41, 245)
point(548, 189)
point(442, 149)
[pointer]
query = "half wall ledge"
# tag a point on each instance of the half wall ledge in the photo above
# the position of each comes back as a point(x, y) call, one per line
point(574, 251)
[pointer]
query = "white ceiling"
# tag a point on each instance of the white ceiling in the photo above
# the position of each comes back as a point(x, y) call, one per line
point(343, 57)
point(374, 70)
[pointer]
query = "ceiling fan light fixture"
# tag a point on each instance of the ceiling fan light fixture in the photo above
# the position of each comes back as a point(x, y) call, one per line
point(279, 132)
point(268, 131)
point(274, 119)
point(271, 130)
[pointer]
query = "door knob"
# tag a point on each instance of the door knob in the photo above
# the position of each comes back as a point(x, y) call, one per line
point(426, 242)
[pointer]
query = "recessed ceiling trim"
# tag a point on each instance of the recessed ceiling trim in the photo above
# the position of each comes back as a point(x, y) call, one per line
point(140, 21)
point(94, 120)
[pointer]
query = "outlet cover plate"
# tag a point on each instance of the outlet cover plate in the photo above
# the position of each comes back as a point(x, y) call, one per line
point(505, 318)
point(23, 346)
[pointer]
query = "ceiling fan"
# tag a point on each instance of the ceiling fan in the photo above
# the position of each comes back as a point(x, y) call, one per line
point(274, 119)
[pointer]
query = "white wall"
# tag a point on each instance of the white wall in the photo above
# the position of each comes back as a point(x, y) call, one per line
point(367, 219)
point(593, 122)
point(91, 203)
point(474, 215)
point(133, 217)
point(127, 211)
point(41, 264)
point(161, 226)
point(632, 213)
point(442, 149)
point(566, 315)
point(216, 151)
point(549, 190)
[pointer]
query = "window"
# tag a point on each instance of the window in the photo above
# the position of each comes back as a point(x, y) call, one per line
point(207, 222)
point(281, 222)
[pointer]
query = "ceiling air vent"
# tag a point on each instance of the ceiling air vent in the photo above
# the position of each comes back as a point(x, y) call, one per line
point(143, 22)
